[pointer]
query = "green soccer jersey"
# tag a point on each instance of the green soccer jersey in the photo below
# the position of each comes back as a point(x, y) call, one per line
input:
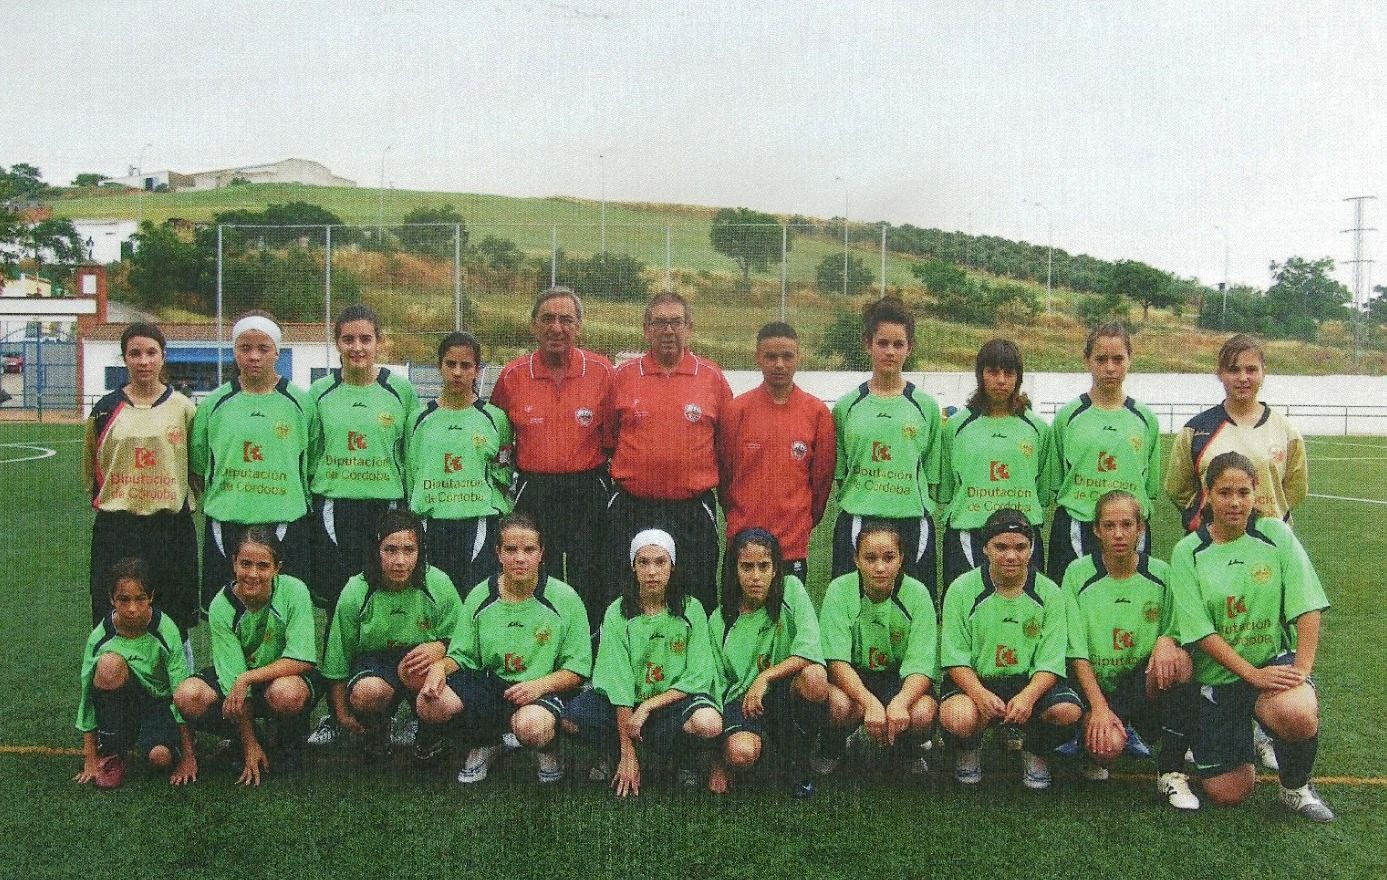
point(1093, 451)
point(644, 656)
point(459, 462)
point(991, 462)
point(754, 643)
point(243, 639)
point(888, 452)
point(359, 444)
point(1249, 591)
point(1114, 624)
point(522, 641)
point(996, 636)
point(368, 620)
point(897, 634)
point(155, 658)
point(252, 452)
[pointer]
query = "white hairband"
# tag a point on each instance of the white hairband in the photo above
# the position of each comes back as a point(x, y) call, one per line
point(653, 538)
point(257, 322)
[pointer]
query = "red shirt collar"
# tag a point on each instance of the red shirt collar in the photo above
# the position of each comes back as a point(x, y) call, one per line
point(688, 364)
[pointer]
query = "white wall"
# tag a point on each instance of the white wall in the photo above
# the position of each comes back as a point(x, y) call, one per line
point(106, 237)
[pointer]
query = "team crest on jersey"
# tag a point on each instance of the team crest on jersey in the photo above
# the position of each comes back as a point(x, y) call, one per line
point(897, 636)
point(798, 450)
point(1151, 611)
point(693, 412)
point(543, 635)
point(386, 419)
point(1027, 448)
point(174, 434)
point(677, 646)
point(910, 431)
point(1278, 454)
point(1135, 441)
point(1031, 627)
point(478, 441)
point(281, 430)
point(1261, 573)
point(583, 416)
point(424, 625)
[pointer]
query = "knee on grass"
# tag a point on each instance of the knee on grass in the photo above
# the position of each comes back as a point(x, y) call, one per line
point(160, 757)
point(1230, 789)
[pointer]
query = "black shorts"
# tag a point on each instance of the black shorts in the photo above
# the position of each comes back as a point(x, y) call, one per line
point(260, 708)
point(595, 717)
point(780, 707)
point(486, 712)
point(963, 552)
point(167, 542)
point(464, 549)
point(343, 536)
point(1009, 686)
point(146, 722)
point(917, 546)
point(1224, 742)
point(219, 545)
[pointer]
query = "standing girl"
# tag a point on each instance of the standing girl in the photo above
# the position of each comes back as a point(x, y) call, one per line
point(135, 465)
point(888, 434)
point(363, 412)
point(995, 455)
point(459, 468)
point(1102, 441)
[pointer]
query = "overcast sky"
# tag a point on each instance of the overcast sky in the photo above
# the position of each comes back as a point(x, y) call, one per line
point(1139, 126)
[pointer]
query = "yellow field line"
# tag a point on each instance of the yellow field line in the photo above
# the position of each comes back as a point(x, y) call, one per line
point(1266, 778)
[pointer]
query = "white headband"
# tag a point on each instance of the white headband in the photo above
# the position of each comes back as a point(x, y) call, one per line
point(257, 322)
point(653, 538)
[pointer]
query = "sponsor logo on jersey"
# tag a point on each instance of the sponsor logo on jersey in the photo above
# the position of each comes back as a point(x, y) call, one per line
point(998, 435)
point(394, 611)
point(1151, 611)
point(1004, 656)
point(1135, 441)
point(1106, 463)
point(145, 458)
point(1122, 600)
point(1278, 454)
point(654, 673)
point(256, 414)
point(877, 659)
point(583, 416)
point(174, 435)
point(359, 404)
point(998, 470)
point(251, 452)
point(281, 431)
point(1122, 639)
point(677, 646)
point(386, 420)
point(452, 463)
point(1110, 428)
point(543, 635)
point(1236, 562)
point(1031, 627)
point(1235, 606)
point(515, 623)
point(355, 440)
point(1261, 573)
point(693, 412)
point(514, 662)
point(880, 451)
point(798, 450)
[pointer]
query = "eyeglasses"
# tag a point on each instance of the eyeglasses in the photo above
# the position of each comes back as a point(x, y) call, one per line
point(561, 320)
point(667, 323)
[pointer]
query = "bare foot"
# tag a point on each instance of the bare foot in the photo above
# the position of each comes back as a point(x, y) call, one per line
point(718, 781)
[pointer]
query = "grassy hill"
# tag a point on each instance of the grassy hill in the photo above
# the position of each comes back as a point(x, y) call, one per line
point(416, 300)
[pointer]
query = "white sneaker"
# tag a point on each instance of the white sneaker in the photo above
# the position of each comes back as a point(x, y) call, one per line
point(968, 766)
point(1036, 773)
point(1095, 772)
point(550, 770)
point(1305, 802)
point(1176, 788)
point(326, 733)
point(403, 733)
point(510, 741)
point(478, 762)
point(1266, 752)
point(917, 766)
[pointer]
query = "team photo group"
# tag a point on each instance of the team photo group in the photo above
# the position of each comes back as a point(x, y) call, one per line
point(548, 564)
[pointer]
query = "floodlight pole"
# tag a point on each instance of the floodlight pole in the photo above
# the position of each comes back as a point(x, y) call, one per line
point(380, 204)
point(139, 170)
point(602, 170)
point(1223, 318)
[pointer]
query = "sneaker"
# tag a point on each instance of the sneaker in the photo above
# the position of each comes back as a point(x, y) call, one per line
point(916, 766)
point(1013, 738)
point(1036, 773)
point(326, 733)
point(478, 762)
point(111, 772)
point(968, 766)
point(510, 741)
point(1070, 748)
point(1176, 788)
point(1136, 746)
point(1305, 802)
point(600, 772)
point(1095, 772)
point(824, 764)
point(429, 746)
point(803, 790)
point(1266, 752)
point(550, 770)
point(403, 734)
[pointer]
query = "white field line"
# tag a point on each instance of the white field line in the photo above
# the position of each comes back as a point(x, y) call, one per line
point(43, 452)
point(1342, 498)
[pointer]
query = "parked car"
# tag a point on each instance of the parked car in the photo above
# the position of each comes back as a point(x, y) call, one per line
point(12, 362)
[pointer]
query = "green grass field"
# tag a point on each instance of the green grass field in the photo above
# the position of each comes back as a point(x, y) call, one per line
point(339, 819)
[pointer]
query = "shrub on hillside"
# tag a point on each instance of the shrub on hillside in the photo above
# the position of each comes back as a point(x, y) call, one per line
point(601, 276)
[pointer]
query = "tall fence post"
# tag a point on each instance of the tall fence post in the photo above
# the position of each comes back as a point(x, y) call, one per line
point(883, 259)
point(669, 262)
point(784, 265)
point(221, 329)
point(327, 297)
point(553, 256)
point(457, 276)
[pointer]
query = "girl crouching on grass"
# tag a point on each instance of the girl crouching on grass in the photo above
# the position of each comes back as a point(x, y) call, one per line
point(132, 662)
point(264, 659)
point(654, 675)
point(769, 659)
point(391, 625)
point(521, 645)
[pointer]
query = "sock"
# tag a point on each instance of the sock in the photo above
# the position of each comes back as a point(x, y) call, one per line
point(959, 743)
point(833, 741)
point(1297, 759)
point(115, 721)
point(1041, 737)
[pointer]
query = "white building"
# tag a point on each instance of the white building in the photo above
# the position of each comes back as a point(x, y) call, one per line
point(304, 171)
point(103, 238)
